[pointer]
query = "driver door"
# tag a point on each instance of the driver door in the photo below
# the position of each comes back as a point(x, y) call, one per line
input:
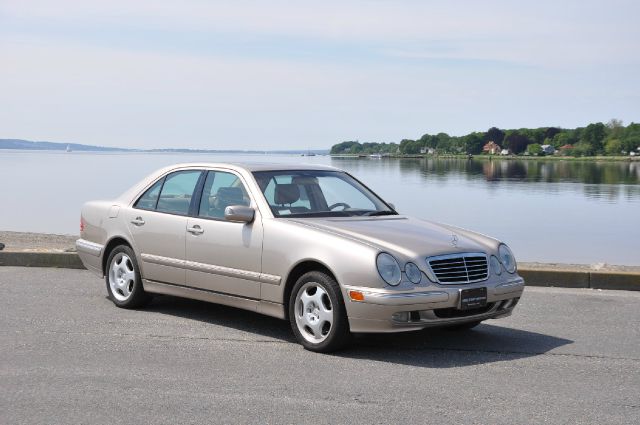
point(224, 256)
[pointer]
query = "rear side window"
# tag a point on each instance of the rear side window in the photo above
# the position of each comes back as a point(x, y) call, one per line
point(149, 199)
point(177, 192)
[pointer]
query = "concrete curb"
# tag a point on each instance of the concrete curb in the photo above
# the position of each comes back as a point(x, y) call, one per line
point(581, 279)
point(629, 281)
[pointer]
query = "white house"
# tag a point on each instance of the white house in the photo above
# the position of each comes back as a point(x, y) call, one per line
point(548, 149)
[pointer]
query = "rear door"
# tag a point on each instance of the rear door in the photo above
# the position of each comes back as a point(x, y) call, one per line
point(158, 223)
point(224, 256)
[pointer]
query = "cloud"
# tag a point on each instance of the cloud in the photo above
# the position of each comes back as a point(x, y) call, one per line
point(282, 74)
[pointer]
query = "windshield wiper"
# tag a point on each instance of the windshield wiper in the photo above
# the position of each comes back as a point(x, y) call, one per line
point(385, 212)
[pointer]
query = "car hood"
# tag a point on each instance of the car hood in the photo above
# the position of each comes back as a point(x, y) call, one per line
point(405, 235)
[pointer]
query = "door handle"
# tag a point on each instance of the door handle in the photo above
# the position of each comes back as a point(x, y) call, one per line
point(138, 221)
point(196, 230)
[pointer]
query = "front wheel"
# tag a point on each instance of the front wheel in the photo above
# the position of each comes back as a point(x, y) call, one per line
point(124, 283)
point(317, 314)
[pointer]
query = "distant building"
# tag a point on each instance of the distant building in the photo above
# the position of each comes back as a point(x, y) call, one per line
point(423, 150)
point(431, 151)
point(491, 148)
point(504, 152)
point(548, 149)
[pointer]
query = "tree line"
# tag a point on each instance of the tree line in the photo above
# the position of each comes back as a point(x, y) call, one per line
point(612, 138)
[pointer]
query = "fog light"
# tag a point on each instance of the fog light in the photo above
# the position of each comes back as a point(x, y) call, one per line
point(401, 316)
point(356, 296)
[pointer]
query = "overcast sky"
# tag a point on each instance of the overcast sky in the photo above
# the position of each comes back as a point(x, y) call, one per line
point(295, 74)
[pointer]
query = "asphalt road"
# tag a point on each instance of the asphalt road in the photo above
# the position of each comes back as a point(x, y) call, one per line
point(67, 355)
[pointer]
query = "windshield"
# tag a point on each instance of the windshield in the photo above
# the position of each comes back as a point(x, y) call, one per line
point(313, 193)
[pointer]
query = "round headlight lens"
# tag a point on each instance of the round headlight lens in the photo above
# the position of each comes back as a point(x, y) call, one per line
point(506, 258)
point(413, 273)
point(495, 265)
point(388, 268)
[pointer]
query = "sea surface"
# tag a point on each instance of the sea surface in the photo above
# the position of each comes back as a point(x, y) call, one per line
point(547, 211)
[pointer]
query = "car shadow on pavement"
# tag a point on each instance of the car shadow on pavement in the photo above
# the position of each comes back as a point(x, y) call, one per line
point(221, 315)
point(431, 348)
point(443, 348)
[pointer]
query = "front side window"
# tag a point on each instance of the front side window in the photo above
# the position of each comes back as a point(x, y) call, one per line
point(177, 190)
point(221, 190)
point(318, 194)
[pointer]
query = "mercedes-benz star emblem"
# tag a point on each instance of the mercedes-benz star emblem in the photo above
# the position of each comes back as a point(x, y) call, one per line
point(454, 239)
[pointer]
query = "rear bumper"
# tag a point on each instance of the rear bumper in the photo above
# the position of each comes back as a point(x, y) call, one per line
point(384, 310)
point(90, 254)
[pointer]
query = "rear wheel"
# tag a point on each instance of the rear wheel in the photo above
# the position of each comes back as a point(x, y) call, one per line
point(124, 283)
point(317, 314)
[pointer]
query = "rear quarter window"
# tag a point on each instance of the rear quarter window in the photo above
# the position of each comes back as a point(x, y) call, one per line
point(149, 199)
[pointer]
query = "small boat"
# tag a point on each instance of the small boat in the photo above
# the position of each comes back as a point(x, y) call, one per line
point(375, 156)
point(69, 148)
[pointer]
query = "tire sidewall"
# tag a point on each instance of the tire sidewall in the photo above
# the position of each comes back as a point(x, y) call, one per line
point(138, 294)
point(338, 336)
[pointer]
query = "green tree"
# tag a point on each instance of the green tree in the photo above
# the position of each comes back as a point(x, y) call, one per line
point(473, 142)
point(613, 147)
point(409, 147)
point(494, 135)
point(534, 149)
point(594, 135)
point(516, 142)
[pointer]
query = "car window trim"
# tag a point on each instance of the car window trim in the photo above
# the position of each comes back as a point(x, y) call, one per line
point(194, 207)
point(155, 206)
point(196, 212)
point(164, 179)
point(300, 215)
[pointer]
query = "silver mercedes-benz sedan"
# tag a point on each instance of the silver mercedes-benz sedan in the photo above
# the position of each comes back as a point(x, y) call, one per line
point(310, 244)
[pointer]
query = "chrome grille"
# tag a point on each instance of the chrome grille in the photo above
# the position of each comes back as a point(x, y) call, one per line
point(459, 268)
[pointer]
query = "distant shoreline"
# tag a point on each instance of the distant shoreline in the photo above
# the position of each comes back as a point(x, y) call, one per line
point(31, 146)
point(497, 157)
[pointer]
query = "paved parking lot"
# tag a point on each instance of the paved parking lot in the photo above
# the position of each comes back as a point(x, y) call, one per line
point(67, 355)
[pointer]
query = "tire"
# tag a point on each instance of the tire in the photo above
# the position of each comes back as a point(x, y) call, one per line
point(123, 279)
point(463, 326)
point(317, 314)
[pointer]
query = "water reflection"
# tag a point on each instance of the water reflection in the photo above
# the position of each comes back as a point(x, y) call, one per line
point(606, 181)
point(529, 170)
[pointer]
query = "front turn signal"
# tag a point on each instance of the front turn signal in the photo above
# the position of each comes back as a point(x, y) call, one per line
point(356, 296)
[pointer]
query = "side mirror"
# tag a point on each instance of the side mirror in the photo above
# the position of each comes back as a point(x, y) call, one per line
point(239, 213)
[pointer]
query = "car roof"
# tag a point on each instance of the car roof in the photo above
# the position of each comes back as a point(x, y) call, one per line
point(256, 166)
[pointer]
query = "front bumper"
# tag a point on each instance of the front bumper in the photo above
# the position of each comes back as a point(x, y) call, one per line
point(387, 310)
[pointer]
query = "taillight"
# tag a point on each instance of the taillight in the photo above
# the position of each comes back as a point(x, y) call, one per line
point(81, 224)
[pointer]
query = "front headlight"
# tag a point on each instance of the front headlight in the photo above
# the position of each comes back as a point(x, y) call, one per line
point(388, 268)
point(506, 258)
point(413, 273)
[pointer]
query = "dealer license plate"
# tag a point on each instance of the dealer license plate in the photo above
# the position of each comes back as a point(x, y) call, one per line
point(472, 298)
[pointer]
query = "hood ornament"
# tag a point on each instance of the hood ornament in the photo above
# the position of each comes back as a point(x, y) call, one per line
point(454, 239)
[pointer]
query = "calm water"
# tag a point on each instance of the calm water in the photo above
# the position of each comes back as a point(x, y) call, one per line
point(572, 212)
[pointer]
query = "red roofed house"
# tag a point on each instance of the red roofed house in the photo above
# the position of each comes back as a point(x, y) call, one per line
point(491, 148)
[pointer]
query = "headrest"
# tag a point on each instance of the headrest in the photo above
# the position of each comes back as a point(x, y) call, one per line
point(287, 193)
point(230, 195)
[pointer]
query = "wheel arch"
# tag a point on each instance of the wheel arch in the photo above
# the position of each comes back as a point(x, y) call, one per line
point(299, 269)
point(110, 245)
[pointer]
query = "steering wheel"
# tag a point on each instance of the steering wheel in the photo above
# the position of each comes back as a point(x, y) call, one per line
point(344, 205)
